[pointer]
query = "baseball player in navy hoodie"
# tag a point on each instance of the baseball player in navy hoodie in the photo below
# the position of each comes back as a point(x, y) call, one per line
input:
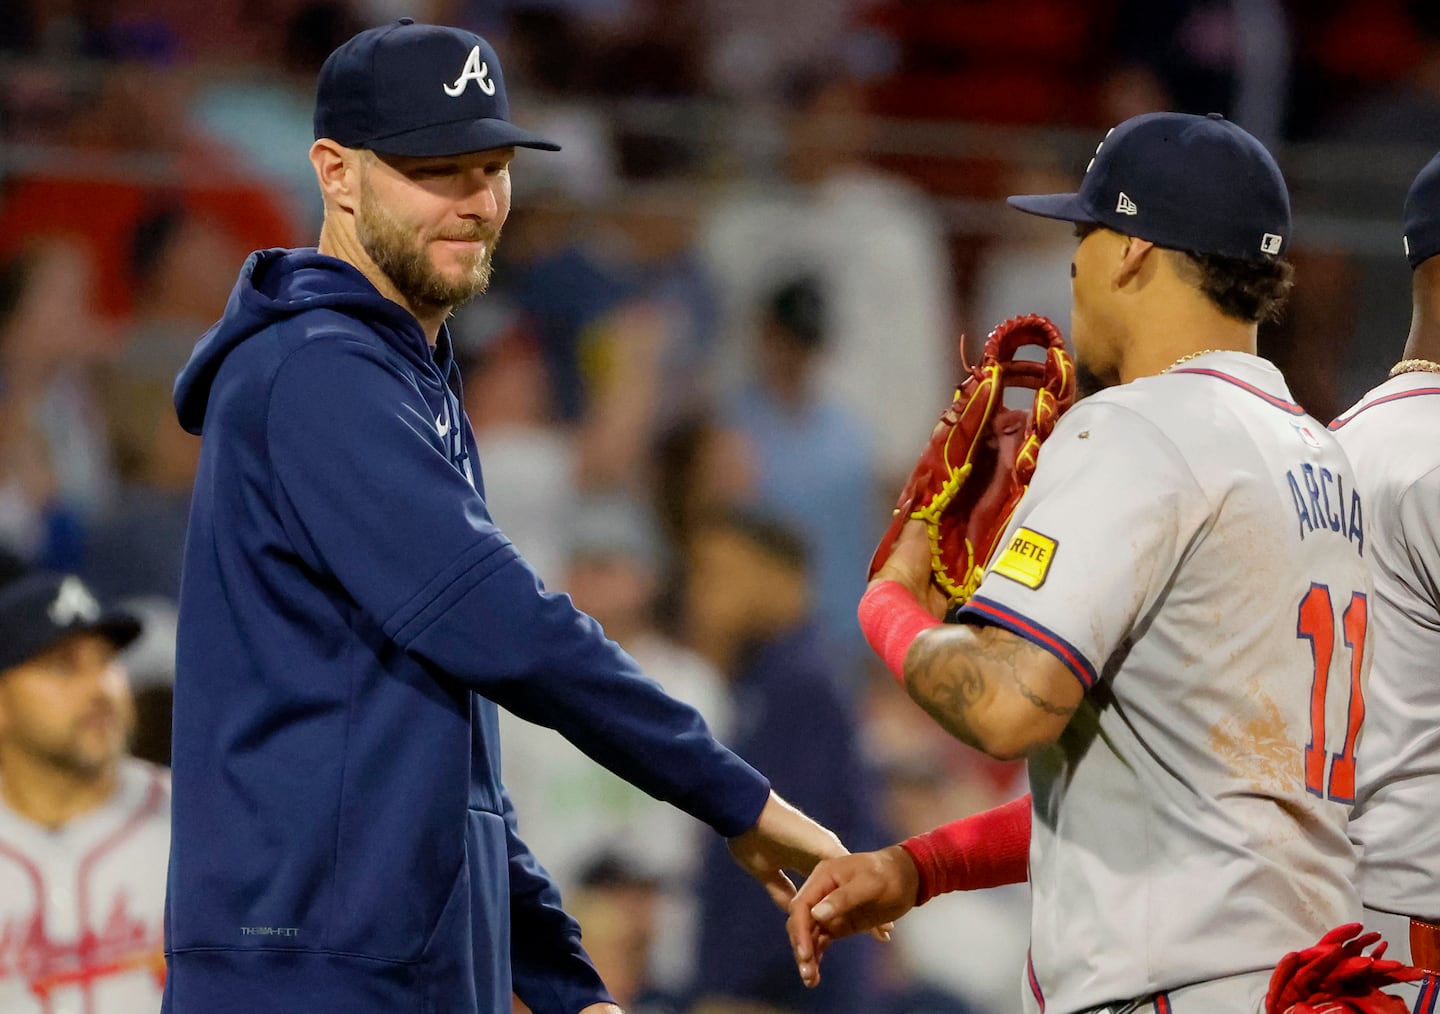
point(350, 617)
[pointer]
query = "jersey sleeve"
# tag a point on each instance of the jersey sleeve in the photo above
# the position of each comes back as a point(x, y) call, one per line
point(1095, 540)
point(1418, 517)
point(371, 501)
point(551, 971)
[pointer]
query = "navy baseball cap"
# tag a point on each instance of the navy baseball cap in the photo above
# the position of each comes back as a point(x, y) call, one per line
point(1422, 215)
point(412, 89)
point(40, 608)
point(1196, 183)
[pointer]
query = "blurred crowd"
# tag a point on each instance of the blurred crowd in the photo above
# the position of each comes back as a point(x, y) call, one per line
point(723, 321)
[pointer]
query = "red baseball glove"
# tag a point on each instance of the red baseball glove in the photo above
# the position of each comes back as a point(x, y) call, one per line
point(981, 455)
point(1336, 976)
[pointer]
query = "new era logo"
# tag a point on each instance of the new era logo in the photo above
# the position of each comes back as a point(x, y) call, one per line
point(1126, 206)
point(1270, 243)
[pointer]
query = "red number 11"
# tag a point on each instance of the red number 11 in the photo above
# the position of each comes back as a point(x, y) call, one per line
point(1317, 625)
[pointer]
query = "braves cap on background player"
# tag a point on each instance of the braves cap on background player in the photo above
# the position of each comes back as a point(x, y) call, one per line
point(84, 830)
point(1390, 434)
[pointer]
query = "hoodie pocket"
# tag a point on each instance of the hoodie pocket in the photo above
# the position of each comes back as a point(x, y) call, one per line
point(443, 968)
point(466, 960)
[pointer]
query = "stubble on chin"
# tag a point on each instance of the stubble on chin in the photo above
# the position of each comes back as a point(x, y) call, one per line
point(408, 266)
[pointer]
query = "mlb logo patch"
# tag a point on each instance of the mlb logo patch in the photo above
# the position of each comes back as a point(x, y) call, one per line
point(1270, 243)
point(1306, 434)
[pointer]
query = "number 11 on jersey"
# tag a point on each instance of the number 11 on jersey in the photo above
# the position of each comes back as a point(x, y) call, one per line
point(1316, 624)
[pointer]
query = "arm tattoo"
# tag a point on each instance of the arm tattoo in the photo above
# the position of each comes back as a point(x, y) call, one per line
point(947, 684)
point(948, 676)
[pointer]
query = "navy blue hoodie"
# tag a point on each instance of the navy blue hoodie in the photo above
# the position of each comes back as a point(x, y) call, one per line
point(349, 619)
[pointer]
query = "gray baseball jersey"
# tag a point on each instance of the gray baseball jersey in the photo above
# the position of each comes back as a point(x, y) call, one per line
point(1393, 436)
point(82, 908)
point(1191, 548)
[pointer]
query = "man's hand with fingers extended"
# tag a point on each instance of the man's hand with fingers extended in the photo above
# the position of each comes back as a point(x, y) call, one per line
point(864, 892)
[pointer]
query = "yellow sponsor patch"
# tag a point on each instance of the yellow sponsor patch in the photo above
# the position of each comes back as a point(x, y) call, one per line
point(1027, 558)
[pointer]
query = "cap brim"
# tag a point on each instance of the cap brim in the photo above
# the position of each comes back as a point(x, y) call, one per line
point(118, 627)
point(459, 139)
point(1065, 207)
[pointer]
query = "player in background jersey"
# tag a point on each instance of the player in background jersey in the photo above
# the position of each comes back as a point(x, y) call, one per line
point(1393, 436)
point(1174, 634)
point(84, 829)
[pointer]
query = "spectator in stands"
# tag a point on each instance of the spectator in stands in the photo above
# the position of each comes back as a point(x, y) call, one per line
point(748, 607)
point(874, 246)
point(813, 457)
point(1202, 56)
point(265, 113)
point(570, 809)
point(1026, 268)
point(619, 906)
point(531, 460)
point(55, 471)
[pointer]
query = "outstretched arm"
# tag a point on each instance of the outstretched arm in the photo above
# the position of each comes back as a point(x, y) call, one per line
point(858, 892)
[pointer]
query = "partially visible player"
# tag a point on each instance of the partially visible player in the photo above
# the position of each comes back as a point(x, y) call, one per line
point(1175, 633)
point(84, 829)
point(1393, 436)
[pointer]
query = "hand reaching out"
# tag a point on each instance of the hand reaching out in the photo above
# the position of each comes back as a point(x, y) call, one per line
point(783, 839)
point(850, 894)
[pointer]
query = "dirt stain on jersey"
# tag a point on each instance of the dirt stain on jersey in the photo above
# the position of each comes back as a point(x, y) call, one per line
point(1256, 745)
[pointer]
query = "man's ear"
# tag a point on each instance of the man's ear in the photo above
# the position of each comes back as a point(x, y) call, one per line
point(337, 169)
point(1132, 260)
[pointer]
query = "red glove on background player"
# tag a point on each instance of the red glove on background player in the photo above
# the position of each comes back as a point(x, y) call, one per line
point(1336, 976)
point(981, 455)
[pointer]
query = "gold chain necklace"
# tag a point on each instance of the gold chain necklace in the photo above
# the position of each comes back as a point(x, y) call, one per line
point(1186, 358)
point(1414, 366)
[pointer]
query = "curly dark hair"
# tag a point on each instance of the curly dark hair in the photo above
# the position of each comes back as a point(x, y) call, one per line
point(1248, 290)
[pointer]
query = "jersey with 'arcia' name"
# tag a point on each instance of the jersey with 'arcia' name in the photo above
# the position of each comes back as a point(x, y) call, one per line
point(1190, 824)
point(1323, 505)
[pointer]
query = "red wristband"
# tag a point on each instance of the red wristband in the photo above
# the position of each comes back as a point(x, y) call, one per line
point(987, 849)
point(891, 619)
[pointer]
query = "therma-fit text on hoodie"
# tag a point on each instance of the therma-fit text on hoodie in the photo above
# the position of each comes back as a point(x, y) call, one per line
point(350, 618)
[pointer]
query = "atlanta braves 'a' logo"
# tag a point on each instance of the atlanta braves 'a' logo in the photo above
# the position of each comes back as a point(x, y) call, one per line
point(475, 70)
point(73, 604)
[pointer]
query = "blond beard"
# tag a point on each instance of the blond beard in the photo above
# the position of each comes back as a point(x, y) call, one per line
point(391, 246)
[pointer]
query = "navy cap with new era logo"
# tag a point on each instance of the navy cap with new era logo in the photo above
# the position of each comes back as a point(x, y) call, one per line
point(412, 89)
point(1186, 182)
